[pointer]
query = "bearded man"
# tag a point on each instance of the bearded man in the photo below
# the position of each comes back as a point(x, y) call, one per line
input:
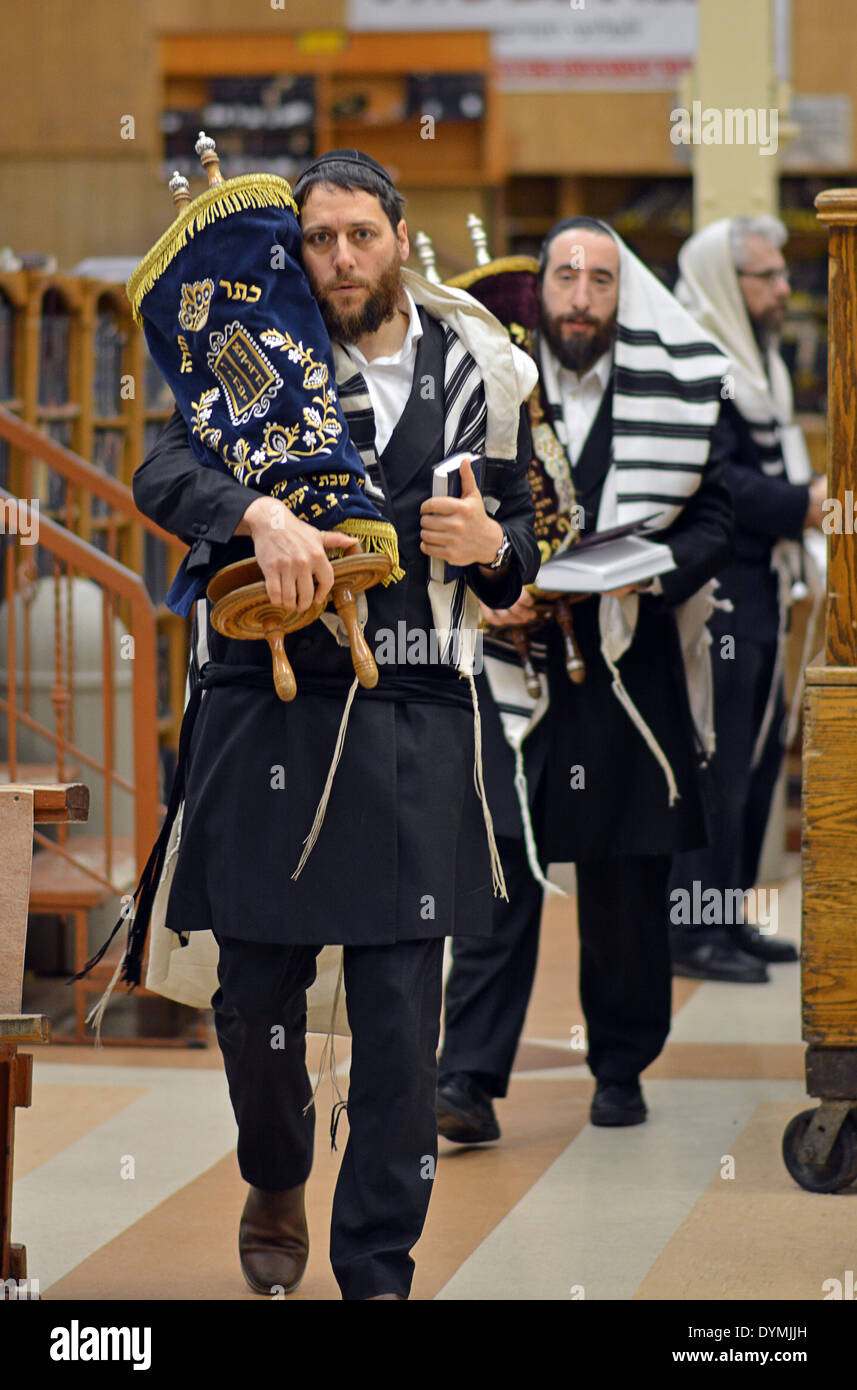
point(625, 429)
point(734, 280)
point(403, 856)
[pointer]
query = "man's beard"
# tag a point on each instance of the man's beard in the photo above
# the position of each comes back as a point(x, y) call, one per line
point(350, 325)
point(579, 352)
point(767, 328)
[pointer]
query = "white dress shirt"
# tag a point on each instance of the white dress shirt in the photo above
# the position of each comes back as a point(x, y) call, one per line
point(581, 398)
point(389, 379)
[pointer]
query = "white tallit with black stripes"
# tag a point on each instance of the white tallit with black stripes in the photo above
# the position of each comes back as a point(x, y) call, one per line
point(708, 288)
point(486, 381)
point(667, 382)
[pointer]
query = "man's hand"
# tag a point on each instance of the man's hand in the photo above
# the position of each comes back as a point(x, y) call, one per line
point(292, 555)
point(458, 529)
point(522, 611)
point(817, 495)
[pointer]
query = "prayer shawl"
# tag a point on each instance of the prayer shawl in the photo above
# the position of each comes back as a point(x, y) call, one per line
point(231, 322)
point(708, 288)
point(486, 380)
point(667, 381)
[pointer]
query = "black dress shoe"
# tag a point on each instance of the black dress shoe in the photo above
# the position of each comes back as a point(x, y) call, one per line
point(712, 960)
point(618, 1104)
point(769, 948)
point(464, 1111)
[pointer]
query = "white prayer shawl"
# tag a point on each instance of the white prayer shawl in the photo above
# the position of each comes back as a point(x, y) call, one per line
point(666, 399)
point(708, 287)
point(188, 973)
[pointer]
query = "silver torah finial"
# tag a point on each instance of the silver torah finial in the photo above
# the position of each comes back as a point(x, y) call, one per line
point(425, 251)
point(180, 190)
point(476, 228)
point(208, 158)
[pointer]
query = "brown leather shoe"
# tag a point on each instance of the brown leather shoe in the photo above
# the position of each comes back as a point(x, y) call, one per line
point(273, 1240)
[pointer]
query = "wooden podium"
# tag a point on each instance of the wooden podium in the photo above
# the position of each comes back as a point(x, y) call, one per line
point(820, 1146)
point(21, 807)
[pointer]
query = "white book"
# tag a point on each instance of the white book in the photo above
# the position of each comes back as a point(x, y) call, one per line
point(446, 482)
point(626, 560)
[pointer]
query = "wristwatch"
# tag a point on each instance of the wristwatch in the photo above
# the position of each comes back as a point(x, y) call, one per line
point(503, 552)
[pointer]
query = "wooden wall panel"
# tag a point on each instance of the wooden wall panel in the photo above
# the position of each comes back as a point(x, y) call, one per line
point(77, 208)
point(77, 70)
point(210, 15)
point(589, 133)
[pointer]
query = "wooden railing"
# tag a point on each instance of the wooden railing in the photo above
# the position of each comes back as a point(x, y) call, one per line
point(820, 1146)
point(78, 407)
point(74, 366)
point(72, 557)
point(120, 525)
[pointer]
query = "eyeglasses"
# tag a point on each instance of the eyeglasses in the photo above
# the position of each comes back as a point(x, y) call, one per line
point(769, 276)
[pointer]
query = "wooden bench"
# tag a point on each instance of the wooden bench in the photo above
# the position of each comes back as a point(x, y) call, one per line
point(21, 807)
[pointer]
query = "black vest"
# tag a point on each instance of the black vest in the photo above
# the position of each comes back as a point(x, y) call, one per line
point(593, 465)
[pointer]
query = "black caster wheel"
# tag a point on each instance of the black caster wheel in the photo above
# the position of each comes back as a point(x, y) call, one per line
point(839, 1169)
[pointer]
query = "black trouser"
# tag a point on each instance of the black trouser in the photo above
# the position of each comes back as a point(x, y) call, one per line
point(393, 994)
point(739, 795)
point(625, 971)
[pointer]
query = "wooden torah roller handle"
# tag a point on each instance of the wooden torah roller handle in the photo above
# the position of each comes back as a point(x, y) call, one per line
point(550, 607)
point(574, 663)
point(241, 608)
point(354, 573)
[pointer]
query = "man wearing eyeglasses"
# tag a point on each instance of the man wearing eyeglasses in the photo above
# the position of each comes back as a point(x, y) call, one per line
point(734, 280)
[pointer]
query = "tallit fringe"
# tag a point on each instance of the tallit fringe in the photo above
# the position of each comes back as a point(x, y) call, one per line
point(805, 657)
point(95, 1017)
point(764, 727)
point(529, 837)
point(328, 1060)
point(246, 191)
point(377, 537)
point(325, 796)
point(639, 722)
point(498, 882)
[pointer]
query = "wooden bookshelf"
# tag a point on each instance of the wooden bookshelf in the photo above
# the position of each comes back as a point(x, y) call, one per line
point(362, 92)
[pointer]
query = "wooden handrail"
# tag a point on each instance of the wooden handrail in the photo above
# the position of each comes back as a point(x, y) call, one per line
point(77, 471)
point(109, 574)
point(69, 547)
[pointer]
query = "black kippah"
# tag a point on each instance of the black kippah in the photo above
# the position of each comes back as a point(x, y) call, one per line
point(355, 157)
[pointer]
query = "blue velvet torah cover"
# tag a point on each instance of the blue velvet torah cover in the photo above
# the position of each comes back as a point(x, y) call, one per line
point(231, 322)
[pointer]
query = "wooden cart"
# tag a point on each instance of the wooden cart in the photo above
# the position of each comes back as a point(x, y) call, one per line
point(820, 1146)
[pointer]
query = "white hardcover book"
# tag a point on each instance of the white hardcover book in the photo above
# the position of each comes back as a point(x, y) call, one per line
point(446, 482)
point(626, 560)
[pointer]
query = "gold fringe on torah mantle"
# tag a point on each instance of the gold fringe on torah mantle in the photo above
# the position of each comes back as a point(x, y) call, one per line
point(378, 537)
point(502, 266)
point(246, 191)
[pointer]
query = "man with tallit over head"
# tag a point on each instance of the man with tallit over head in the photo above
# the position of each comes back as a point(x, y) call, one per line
point(735, 282)
point(603, 773)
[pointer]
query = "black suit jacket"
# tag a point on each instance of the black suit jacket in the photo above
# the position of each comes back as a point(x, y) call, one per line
point(766, 510)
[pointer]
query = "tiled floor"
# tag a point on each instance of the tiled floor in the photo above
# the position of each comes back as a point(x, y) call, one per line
point(127, 1184)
